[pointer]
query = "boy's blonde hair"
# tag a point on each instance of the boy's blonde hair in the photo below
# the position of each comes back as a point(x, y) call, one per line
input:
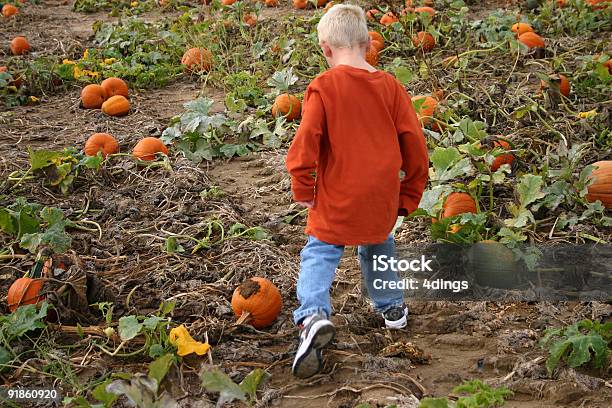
point(344, 25)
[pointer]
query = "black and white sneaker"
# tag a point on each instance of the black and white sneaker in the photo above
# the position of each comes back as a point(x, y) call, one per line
point(315, 334)
point(396, 317)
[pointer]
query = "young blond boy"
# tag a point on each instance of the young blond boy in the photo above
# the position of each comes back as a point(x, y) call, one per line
point(358, 130)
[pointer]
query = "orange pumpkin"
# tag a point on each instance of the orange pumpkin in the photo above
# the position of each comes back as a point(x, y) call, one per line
point(259, 298)
point(426, 110)
point(147, 148)
point(321, 3)
point(376, 36)
point(115, 86)
point(20, 46)
point(531, 40)
point(8, 10)
point(521, 28)
point(377, 45)
point(197, 60)
point(24, 291)
point(228, 2)
point(271, 3)
point(101, 142)
point(561, 3)
point(564, 84)
point(424, 40)
point(372, 13)
point(300, 4)
point(250, 20)
point(371, 56)
point(388, 19)
point(608, 64)
point(601, 187)
point(116, 105)
point(458, 203)
point(288, 106)
point(504, 158)
point(597, 4)
point(93, 96)
point(427, 10)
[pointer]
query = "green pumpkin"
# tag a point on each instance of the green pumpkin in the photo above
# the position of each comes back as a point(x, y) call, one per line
point(493, 264)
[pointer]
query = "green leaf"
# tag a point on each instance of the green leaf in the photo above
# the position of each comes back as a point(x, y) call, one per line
point(172, 245)
point(129, 327)
point(449, 164)
point(166, 307)
point(282, 80)
point(92, 162)
point(7, 223)
point(156, 350)
point(403, 74)
point(530, 189)
point(217, 381)
point(433, 403)
point(26, 318)
point(151, 322)
point(5, 357)
point(100, 394)
point(42, 158)
point(252, 381)
point(160, 367)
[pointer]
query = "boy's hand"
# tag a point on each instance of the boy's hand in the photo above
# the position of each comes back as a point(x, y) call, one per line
point(307, 204)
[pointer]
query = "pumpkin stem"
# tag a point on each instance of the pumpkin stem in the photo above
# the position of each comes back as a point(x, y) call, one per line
point(245, 317)
point(249, 288)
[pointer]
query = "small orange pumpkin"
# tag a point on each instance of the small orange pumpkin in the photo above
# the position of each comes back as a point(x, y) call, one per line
point(197, 59)
point(504, 158)
point(300, 4)
point(259, 298)
point(250, 20)
point(376, 36)
point(288, 106)
point(521, 28)
point(228, 2)
point(20, 46)
point(531, 40)
point(101, 142)
point(601, 187)
point(372, 14)
point(597, 4)
point(426, 110)
point(428, 10)
point(458, 203)
point(115, 86)
point(424, 40)
point(564, 84)
point(321, 3)
point(371, 56)
point(377, 45)
point(117, 105)
point(8, 10)
point(93, 96)
point(561, 3)
point(147, 148)
point(388, 19)
point(271, 3)
point(608, 64)
point(24, 291)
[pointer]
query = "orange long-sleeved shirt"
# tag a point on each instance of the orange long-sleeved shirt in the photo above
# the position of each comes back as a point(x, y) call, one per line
point(358, 130)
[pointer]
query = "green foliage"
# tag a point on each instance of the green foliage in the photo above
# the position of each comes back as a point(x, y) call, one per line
point(577, 344)
point(35, 226)
point(214, 380)
point(16, 325)
point(480, 396)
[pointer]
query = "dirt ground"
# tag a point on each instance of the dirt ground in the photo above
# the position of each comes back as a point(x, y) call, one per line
point(444, 344)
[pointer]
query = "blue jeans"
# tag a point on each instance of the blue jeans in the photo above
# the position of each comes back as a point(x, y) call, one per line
point(318, 269)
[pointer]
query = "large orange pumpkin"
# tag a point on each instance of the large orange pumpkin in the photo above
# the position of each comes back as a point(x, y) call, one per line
point(371, 55)
point(8, 10)
point(147, 148)
point(564, 84)
point(601, 187)
point(93, 96)
point(24, 291)
point(424, 40)
point(427, 10)
point(504, 158)
point(521, 28)
point(117, 105)
point(115, 86)
point(531, 40)
point(458, 203)
point(388, 19)
point(197, 59)
point(101, 142)
point(426, 109)
point(20, 46)
point(259, 298)
point(287, 105)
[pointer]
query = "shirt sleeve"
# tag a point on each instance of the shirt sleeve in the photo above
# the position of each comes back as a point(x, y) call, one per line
point(303, 154)
point(415, 158)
